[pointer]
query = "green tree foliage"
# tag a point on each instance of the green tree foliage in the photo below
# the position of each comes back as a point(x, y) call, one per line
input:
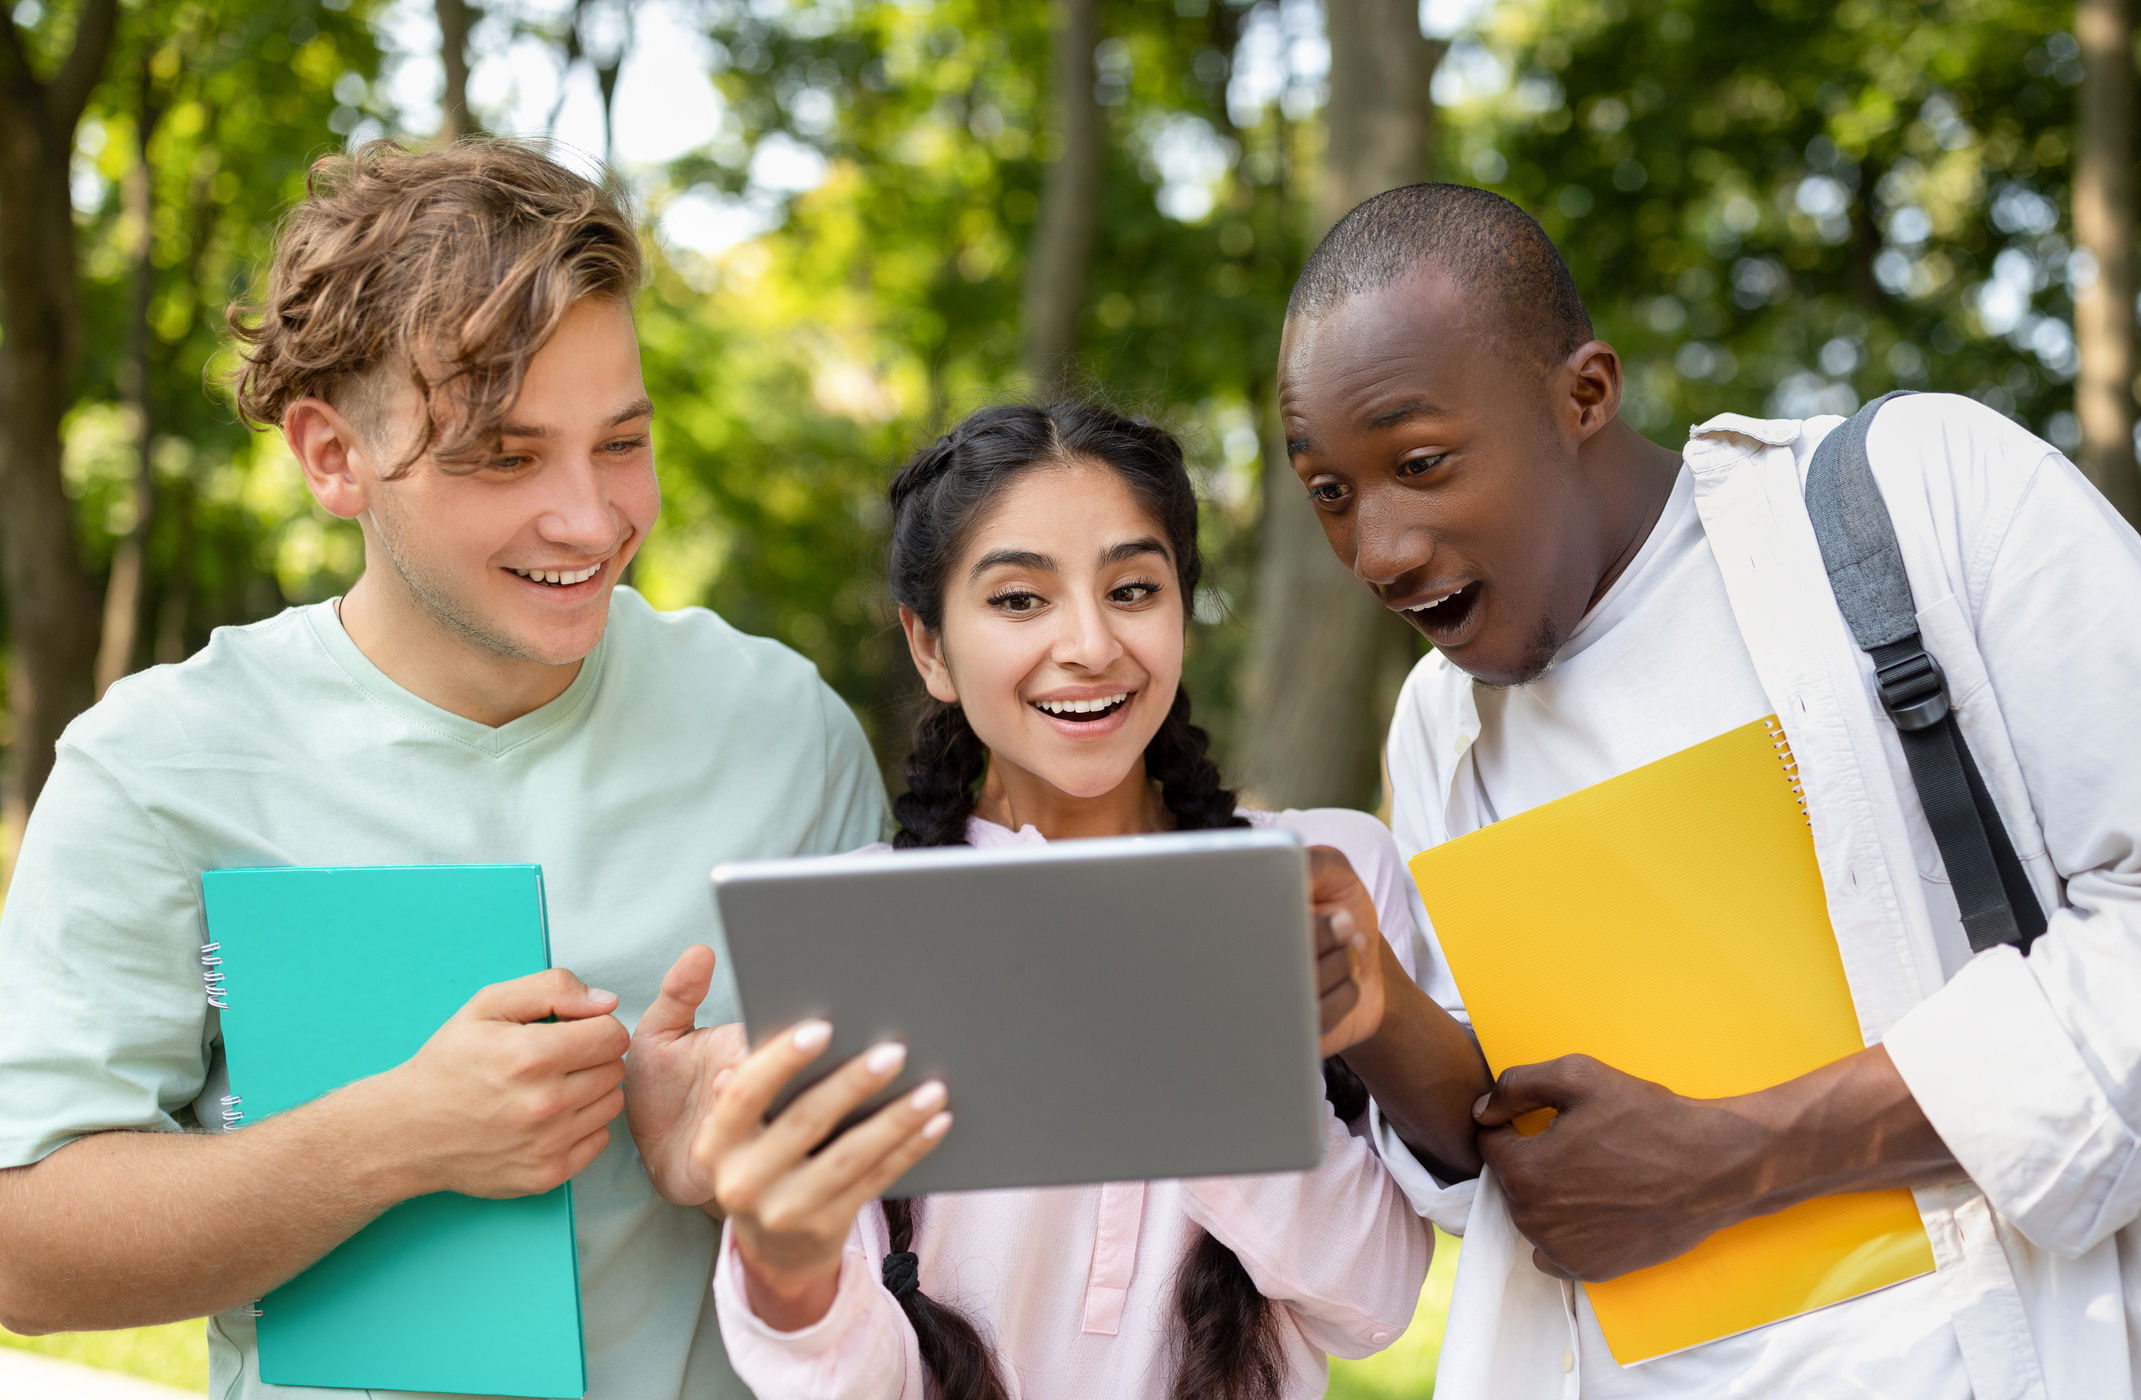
point(797, 371)
point(1787, 208)
point(247, 95)
point(1781, 207)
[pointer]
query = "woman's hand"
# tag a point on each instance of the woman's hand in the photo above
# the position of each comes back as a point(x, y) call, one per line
point(790, 1205)
point(1349, 951)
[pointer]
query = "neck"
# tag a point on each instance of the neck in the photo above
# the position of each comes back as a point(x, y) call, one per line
point(1632, 479)
point(427, 656)
point(1014, 798)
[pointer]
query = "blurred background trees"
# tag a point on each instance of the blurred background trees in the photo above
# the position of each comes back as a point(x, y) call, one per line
point(870, 216)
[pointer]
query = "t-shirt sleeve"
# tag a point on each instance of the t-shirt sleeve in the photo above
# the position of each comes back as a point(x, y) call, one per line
point(854, 804)
point(107, 1025)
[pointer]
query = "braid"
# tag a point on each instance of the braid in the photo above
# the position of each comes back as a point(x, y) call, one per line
point(1179, 758)
point(1229, 1349)
point(947, 760)
point(957, 1360)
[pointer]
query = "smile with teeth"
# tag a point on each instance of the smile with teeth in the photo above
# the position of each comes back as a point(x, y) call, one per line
point(1083, 711)
point(560, 577)
point(1446, 614)
point(1420, 609)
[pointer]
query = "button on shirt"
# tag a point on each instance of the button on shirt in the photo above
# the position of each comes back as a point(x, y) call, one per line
point(2029, 593)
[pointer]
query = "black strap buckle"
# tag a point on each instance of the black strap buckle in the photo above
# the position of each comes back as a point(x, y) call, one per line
point(1913, 690)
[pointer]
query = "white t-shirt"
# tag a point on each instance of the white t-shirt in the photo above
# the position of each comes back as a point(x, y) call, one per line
point(1657, 665)
point(681, 743)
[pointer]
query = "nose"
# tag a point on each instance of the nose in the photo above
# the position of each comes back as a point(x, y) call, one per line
point(1084, 640)
point(577, 511)
point(1385, 549)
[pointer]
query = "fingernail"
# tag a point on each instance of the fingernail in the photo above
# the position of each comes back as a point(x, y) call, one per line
point(1481, 1106)
point(929, 1096)
point(597, 994)
point(937, 1126)
point(885, 1058)
point(723, 1078)
point(811, 1036)
point(1342, 921)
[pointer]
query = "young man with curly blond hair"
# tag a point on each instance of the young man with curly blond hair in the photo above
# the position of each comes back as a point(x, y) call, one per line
point(447, 345)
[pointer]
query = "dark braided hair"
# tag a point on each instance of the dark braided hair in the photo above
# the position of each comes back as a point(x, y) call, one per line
point(1229, 1349)
point(952, 1351)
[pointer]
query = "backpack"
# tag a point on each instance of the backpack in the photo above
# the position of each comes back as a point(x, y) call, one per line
point(1865, 565)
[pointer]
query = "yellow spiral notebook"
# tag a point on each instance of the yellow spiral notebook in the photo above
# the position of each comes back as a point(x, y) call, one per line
point(1670, 922)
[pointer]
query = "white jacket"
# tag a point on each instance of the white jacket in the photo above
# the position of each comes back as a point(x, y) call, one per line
point(2028, 587)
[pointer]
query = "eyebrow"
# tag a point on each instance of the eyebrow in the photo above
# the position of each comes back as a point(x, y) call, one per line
point(1404, 412)
point(1132, 549)
point(638, 408)
point(1015, 558)
point(1030, 559)
point(1376, 422)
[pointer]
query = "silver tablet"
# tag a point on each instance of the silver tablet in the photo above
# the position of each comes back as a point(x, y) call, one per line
point(1101, 1010)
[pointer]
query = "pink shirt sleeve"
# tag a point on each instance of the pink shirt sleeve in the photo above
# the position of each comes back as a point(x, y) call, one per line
point(1338, 1247)
point(862, 1349)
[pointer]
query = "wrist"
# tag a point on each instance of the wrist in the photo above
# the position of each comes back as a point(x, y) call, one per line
point(788, 1299)
point(370, 1124)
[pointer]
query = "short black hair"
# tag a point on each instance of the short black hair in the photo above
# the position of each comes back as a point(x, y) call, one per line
point(1484, 242)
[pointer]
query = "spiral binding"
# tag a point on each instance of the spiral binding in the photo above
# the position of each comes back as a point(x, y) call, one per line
point(1783, 746)
point(233, 1115)
point(212, 977)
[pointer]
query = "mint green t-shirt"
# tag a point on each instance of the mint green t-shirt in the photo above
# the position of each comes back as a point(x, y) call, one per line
point(681, 743)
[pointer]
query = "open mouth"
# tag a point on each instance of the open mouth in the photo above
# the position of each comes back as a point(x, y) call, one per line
point(1083, 711)
point(558, 578)
point(1444, 617)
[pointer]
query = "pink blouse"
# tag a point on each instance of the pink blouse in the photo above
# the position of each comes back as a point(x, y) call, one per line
point(1073, 1286)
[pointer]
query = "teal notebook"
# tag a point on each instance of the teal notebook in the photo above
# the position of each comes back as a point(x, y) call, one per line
point(330, 975)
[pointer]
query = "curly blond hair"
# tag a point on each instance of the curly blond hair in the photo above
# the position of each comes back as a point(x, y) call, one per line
point(450, 267)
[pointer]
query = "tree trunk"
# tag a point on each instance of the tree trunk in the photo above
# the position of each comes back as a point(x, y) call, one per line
point(455, 19)
point(1326, 657)
point(52, 602)
point(123, 590)
point(2104, 224)
point(1070, 207)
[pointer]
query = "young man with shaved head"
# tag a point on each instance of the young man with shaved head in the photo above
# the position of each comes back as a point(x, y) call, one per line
point(1596, 602)
point(447, 346)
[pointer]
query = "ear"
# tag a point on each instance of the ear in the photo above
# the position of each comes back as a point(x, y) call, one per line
point(330, 452)
point(1592, 378)
point(927, 649)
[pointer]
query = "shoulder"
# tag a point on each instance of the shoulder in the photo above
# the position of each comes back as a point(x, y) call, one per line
point(695, 662)
point(1951, 448)
point(233, 685)
point(1948, 441)
point(1363, 838)
point(701, 645)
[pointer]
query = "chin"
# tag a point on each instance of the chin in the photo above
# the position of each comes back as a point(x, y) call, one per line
point(1086, 782)
point(552, 645)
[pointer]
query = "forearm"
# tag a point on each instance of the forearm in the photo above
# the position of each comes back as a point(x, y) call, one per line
point(128, 1229)
point(1426, 1072)
point(1848, 1126)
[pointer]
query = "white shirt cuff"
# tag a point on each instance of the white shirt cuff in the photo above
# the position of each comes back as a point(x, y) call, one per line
point(1999, 1078)
point(1448, 1206)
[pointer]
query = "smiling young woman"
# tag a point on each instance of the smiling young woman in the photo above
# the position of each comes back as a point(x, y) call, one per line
point(1044, 561)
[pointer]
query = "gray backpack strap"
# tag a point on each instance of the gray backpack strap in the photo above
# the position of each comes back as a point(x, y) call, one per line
point(1858, 545)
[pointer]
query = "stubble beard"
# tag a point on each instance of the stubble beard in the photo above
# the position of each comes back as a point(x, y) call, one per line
point(448, 610)
point(1545, 646)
